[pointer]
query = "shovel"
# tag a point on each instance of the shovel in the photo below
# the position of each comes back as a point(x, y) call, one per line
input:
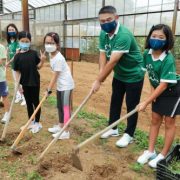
point(9, 113)
point(20, 136)
point(66, 125)
point(75, 158)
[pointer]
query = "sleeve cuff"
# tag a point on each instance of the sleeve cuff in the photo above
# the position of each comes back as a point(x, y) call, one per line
point(120, 51)
point(168, 81)
point(101, 50)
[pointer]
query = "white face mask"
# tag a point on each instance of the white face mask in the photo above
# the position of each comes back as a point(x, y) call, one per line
point(12, 40)
point(50, 48)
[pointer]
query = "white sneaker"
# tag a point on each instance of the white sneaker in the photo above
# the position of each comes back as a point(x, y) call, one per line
point(54, 129)
point(23, 103)
point(111, 132)
point(36, 128)
point(29, 127)
point(18, 99)
point(153, 163)
point(124, 141)
point(146, 156)
point(5, 118)
point(64, 135)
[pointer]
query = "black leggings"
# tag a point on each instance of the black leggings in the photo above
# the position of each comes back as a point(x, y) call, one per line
point(133, 94)
point(31, 95)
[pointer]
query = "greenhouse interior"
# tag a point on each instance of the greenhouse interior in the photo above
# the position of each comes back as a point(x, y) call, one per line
point(97, 79)
point(76, 21)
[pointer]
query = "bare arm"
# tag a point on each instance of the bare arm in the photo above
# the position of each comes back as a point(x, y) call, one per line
point(1, 62)
point(115, 57)
point(106, 70)
point(162, 87)
point(102, 61)
point(17, 74)
point(53, 80)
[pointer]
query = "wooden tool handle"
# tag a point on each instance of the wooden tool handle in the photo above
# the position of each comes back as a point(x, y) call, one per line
point(104, 130)
point(66, 125)
point(20, 136)
point(10, 111)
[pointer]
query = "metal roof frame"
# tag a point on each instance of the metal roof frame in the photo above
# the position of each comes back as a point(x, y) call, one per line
point(12, 6)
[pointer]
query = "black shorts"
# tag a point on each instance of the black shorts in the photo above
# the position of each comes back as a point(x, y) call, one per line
point(165, 103)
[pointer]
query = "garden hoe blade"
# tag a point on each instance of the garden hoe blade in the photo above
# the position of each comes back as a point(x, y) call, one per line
point(76, 161)
point(75, 158)
point(23, 131)
point(15, 151)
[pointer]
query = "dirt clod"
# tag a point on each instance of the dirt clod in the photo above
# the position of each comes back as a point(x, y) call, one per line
point(103, 171)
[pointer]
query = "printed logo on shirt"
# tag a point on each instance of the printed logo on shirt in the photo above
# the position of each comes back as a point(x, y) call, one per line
point(108, 50)
point(152, 75)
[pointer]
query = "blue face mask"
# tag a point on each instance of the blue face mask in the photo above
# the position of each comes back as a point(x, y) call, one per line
point(12, 34)
point(24, 46)
point(109, 27)
point(157, 44)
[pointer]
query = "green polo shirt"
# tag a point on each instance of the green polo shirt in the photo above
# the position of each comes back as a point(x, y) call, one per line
point(12, 47)
point(130, 66)
point(162, 69)
point(2, 56)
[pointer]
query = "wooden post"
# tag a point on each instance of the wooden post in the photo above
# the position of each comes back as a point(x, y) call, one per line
point(176, 5)
point(25, 15)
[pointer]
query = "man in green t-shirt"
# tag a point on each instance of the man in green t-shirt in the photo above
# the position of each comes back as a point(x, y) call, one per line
point(119, 52)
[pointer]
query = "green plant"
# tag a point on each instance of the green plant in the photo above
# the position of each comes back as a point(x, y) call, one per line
point(32, 159)
point(174, 166)
point(136, 167)
point(97, 121)
point(10, 168)
point(84, 136)
point(52, 100)
point(141, 140)
point(34, 176)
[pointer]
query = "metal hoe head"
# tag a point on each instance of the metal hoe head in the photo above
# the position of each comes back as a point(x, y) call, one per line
point(15, 151)
point(76, 161)
point(2, 140)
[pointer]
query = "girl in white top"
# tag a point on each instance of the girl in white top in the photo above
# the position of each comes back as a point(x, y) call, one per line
point(64, 81)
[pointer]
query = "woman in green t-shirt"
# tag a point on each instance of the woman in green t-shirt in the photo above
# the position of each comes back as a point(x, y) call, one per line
point(165, 95)
point(13, 47)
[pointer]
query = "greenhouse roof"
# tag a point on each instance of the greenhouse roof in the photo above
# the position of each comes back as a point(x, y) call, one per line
point(10, 6)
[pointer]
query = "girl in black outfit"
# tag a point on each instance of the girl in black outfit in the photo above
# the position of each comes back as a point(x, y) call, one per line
point(26, 64)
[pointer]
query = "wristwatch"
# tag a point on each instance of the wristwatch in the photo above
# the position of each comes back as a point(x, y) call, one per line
point(48, 91)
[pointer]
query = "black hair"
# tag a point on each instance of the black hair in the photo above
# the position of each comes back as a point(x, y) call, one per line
point(168, 33)
point(55, 37)
point(107, 9)
point(24, 34)
point(8, 37)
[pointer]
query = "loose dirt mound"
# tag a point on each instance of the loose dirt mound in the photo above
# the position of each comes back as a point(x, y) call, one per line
point(107, 171)
point(57, 163)
point(101, 159)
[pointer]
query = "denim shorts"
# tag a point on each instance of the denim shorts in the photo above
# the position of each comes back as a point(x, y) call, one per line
point(3, 89)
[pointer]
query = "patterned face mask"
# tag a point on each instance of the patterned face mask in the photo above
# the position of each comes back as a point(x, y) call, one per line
point(157, 44)
point(24, 46)
point(109, 27)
